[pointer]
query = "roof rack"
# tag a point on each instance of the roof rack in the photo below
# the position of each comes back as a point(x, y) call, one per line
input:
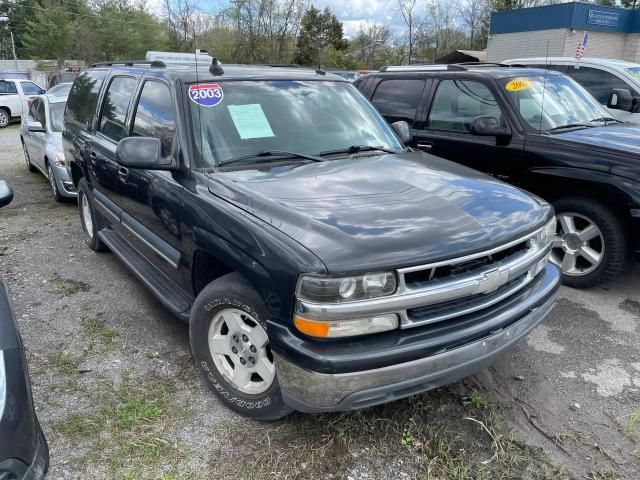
point(422, 68)
point(130, 63)
point(481, 64)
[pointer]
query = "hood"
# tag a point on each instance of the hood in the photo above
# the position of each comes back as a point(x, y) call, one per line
point(383, 211)
point(623, 138)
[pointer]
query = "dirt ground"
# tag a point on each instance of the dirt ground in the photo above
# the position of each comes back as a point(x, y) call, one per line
point(119, 397)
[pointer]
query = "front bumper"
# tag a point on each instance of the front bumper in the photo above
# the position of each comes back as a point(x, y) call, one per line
point(312, 391)
point(64, 182)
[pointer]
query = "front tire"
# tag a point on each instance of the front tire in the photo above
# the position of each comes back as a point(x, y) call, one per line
point(591, 244)
point(54, 186)
point(231, 348)
point(88, 218)
point(27, 159)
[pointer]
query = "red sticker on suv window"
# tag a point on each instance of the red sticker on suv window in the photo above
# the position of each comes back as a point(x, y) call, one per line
point(206, 94)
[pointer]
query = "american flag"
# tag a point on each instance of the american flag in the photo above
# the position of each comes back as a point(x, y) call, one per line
point(581, 46)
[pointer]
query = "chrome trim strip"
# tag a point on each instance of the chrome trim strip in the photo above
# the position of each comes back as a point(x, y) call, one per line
point(106, 209)
point(143, 240)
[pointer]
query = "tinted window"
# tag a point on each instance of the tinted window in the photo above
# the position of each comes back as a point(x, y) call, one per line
point(458, 102)
point(115, 107)
point(83, 98)
point(597, 82)
point(56, 111)
point(40, 115)
point(7, 87)
point(398, 99)
point(31, 88)
point(154, 115)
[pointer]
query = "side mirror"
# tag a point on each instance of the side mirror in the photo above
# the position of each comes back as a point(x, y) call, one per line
point(142, 152)
point(487, 126)
point(620, 99)
point(6, 194)
point(35, 127)
point(403, 130)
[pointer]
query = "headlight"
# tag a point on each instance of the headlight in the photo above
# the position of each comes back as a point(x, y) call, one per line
point(327, 289)
point(545, 236)
point(59, 159)
point(3, 385)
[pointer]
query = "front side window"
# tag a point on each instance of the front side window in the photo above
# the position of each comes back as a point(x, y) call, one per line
point(115, 107)
point(40, 114)
point(154, 115)
point(597, 82)
point(31, 88)
point(237, 118)
point(458, 102)
point(8, 88)
point(398, 99)
point(553, 102)
point(83, 98)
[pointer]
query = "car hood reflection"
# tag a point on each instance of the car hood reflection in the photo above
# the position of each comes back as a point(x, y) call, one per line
point(383, 211)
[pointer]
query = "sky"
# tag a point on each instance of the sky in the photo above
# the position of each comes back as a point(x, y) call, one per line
point(353, 13)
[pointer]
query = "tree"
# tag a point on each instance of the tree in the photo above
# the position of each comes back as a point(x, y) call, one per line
point(472, 14)
point(413, 22)
point(369, 43)
point(319, 31)
point(50, 33)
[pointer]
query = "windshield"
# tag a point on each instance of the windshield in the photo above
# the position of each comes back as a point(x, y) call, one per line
point(56, 112)
point(565, 102)
point(635, 71)
point(239, 118)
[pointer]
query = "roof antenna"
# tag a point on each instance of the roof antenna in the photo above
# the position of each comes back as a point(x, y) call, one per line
point(544, 87)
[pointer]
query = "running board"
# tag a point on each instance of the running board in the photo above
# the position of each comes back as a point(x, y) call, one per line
point(164, 289)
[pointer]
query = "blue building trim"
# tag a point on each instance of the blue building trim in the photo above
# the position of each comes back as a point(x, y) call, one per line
point(575, 15)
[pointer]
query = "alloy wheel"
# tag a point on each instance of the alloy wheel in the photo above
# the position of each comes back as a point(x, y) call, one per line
point(239, 347)
point(86, 216)
point(4, 118)
point(578, 247)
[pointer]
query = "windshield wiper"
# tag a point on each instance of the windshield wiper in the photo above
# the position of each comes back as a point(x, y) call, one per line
point(570, 125)
point(270, 153)
point(358, 148)
point(606, 119)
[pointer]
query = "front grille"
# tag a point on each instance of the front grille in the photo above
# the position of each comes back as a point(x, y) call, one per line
point(460, 306)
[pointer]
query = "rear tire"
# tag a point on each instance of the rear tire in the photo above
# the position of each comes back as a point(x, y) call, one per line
point(5, 117)
point(227, 315)
point(88, 218)
point(591, 245)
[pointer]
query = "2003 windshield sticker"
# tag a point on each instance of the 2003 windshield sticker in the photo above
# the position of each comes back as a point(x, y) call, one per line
point(206, 94)
point(518, 84)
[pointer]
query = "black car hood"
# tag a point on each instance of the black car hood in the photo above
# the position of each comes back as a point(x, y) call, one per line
point(383, 211)
point(623, 138)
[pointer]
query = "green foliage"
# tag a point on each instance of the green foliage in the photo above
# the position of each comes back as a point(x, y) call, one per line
point(50, 33)
point(319, 31)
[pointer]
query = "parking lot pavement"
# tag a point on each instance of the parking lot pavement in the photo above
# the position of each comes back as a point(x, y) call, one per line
point(118, 396)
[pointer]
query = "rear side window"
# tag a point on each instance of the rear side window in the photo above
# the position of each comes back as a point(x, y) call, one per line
point(458, 102)
point(115, 107)
point(7, 88)
point(154, 115)
point(398, 99)
point(598, 82)
point(83, 98)
point(31, 88)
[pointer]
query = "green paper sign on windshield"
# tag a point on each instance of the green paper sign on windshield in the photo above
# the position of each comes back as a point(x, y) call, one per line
point(250, 121)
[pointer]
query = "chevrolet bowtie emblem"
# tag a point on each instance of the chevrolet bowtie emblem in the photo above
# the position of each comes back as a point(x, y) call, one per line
point(492, 280)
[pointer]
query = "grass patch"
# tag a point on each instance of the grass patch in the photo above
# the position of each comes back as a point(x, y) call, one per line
point(634, 421)
point(66, 286)
point(64, 362)
point(95, 328)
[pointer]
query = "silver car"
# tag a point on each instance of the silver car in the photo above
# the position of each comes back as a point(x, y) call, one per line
point(41, 136)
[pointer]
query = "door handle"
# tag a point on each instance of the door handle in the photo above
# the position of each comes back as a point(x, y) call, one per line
point(123, 174)
point(426, 146)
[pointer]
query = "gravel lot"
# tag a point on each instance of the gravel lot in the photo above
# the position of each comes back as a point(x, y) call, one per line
point(118, 395)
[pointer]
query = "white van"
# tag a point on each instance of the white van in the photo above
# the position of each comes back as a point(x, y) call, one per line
point(15, 97)
point(614, 83)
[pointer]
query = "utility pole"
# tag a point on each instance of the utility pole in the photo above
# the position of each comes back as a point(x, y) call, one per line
point(13, 47)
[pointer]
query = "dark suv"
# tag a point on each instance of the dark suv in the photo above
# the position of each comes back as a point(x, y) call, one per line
point(536, 129)
point(320, 265)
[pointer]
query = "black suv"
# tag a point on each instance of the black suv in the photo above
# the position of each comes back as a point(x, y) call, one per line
point(321, 266)
point(536, 129)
